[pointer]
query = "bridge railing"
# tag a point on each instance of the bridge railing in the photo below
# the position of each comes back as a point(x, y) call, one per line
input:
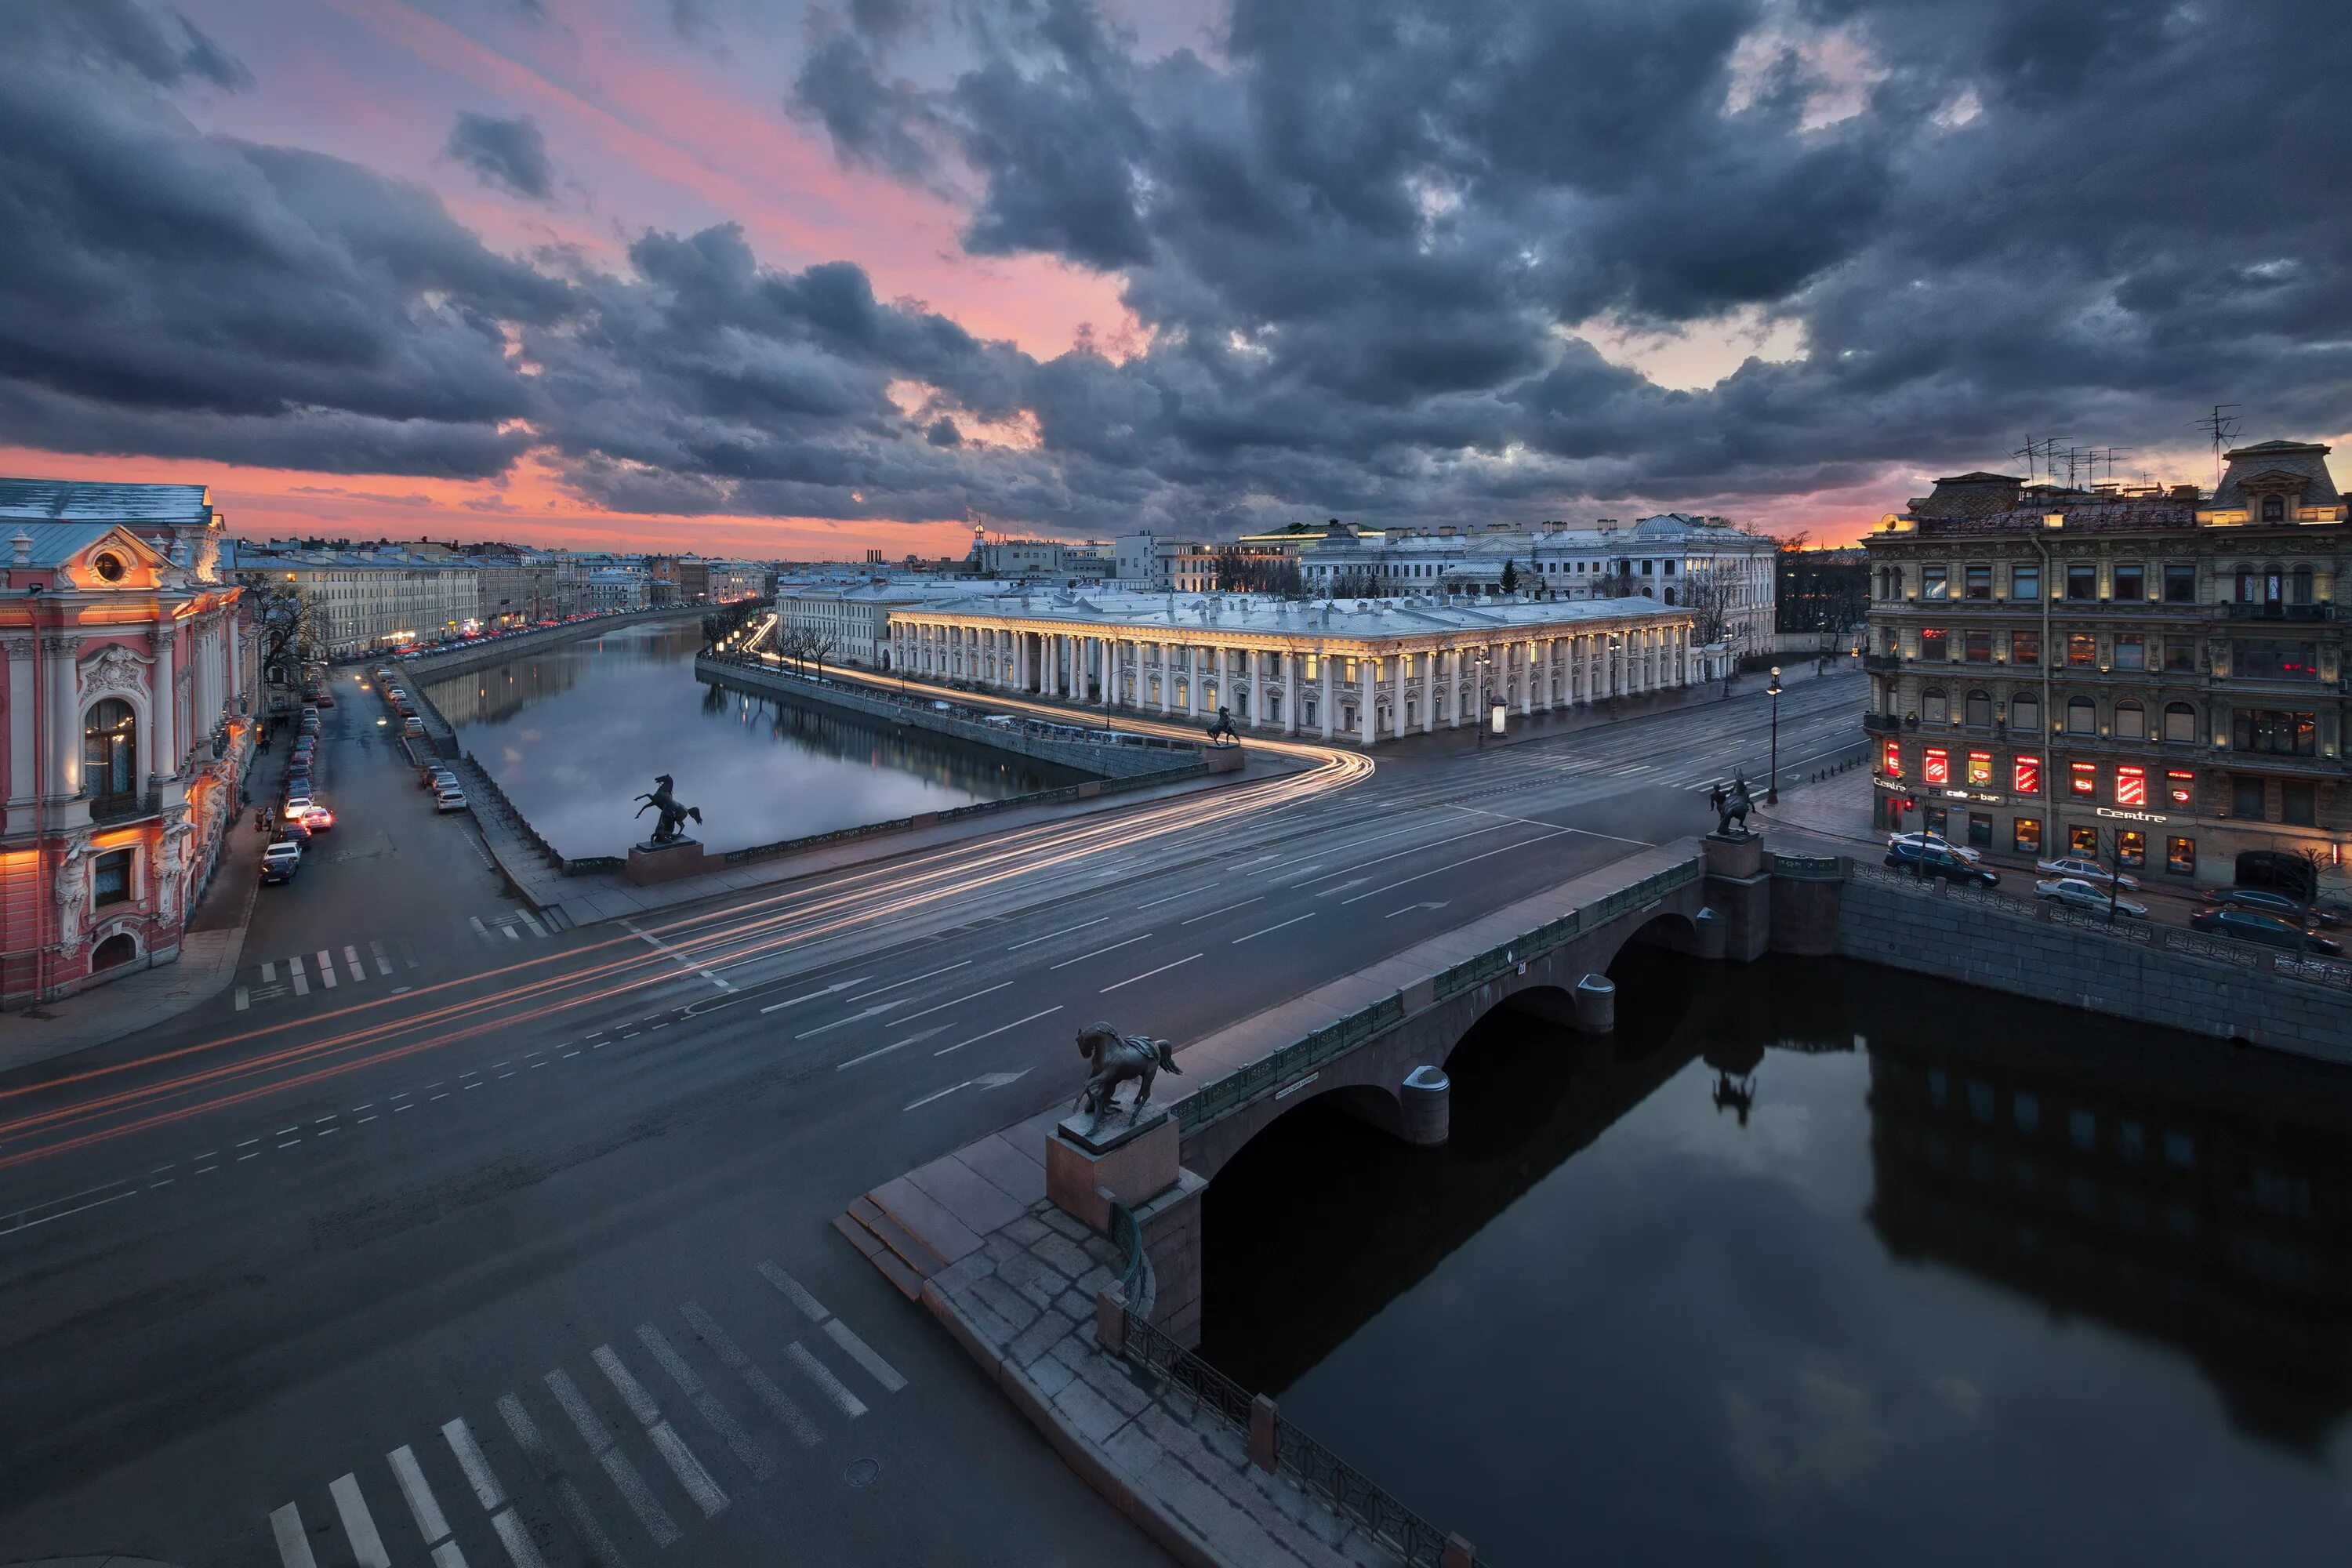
point(1222, 1096)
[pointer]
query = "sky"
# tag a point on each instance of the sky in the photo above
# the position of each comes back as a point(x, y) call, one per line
point(790, 279)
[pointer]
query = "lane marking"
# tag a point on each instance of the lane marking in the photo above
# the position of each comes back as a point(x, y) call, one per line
point(886, 1051)
point(845, 1402)
point(864, 1355)
point(999, 1029)
point(1149, 973)
point(878, 1008)
point(1466, 860)
point(942, 1094)
point(895, 985)
point(805, 996)
point(1097, 953)
point(1533, 822)
point(959, 1002)
point(1172, 897)
point(1050, 935)
point(1229, 909)
point(1263, 930)
point(358, 1524)
point(654, 942)
point(780, 1404)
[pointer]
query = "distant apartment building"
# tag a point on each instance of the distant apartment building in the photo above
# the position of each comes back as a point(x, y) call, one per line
point(364, 599)
point(1036, 560)
point(2153, 674)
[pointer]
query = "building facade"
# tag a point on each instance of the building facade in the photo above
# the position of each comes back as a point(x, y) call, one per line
point(1368, 675)
point(127, 681)
point(367, 601)
point(2152, 674)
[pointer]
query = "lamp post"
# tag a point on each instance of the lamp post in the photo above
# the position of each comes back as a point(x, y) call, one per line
point(1772, 779)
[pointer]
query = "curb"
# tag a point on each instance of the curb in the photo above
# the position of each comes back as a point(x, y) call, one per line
point(1166, 1530)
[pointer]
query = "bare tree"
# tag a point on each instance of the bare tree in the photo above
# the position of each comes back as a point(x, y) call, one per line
point(818, 648)
point(290, 637)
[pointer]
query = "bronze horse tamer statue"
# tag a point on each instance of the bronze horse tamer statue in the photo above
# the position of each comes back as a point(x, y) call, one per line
point(669, 827)
point(1116, 1058)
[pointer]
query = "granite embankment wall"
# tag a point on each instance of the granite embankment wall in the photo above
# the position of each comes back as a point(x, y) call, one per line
point(2148, 973)
point(1111, 754)
point(465, 661)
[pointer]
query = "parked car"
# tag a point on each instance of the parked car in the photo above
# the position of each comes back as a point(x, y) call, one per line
point(1939, 859)
point(2086, 870)
point(1938, 839)
point(2261, 900)
point(441, 779)
point(2077, 894)
point(295, 806)
point(316, 818)
point(412, 725)
point(326, 699)
point(449, 800)
point(280, 861)
point(292, 830)
point(2246, 925)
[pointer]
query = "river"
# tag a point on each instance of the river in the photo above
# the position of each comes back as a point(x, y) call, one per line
point(572, 733)
point(1819, 1262)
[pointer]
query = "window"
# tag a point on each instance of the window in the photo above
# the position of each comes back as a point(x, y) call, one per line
point(2084, 842)
point(2180, 582)
point(1937, 767)
point(1978, 648)
point(2273, 732)
point(2247, 798)
point(2025, 838)
point(2081, 580)
point(2180, 655)
point(1933, 705)
point(1933, 644)
point(1979, 832)
point(1981, 769)
point(2179, 722)
point(2274, 509)
point(2131, 651)
point(109, 877)
point(2131, 722)
point(1935, 582)
point(2083, 778)
point(2300, 591)
point(2131, 785)
point(108, 565)
point(2027, 1109)
point(2270, 660)
point(2026, 775)
point(2082, 650)
point(2025, 713)
point(2180, 787)
point(2025, 580)
point(1979, 710)
point(2082, 716)
point(1978, 582)
point(109, 752)
point(2299, 803)
point(2025, 647)
point(2180, 1149)
point(2180, 856)
point(1891, 760)
point(2131, 580)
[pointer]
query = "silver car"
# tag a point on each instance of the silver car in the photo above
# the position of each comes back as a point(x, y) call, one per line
point(2077, 894)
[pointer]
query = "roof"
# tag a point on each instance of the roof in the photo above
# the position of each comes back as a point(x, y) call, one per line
point(2267, 459)
point(83, 501)
point(1405, 617)
point(55, 543)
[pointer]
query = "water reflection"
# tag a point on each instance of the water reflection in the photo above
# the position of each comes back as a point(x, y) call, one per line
point(572, 733)
point(1820, 1260)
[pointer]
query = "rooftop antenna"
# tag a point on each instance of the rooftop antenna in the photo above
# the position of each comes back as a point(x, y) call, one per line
point(2222, 425)
point(2110, 456)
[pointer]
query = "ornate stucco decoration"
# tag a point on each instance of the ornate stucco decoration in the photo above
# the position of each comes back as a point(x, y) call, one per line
point(113, 669)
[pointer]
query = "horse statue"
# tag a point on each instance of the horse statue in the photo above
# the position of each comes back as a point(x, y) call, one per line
point(1114, 1059)
point(1221, 728)
point(1731, 804)
point(670, 825)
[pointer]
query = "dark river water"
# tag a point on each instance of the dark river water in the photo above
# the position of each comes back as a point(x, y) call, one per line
point(1822, 1264)
point(572, 733)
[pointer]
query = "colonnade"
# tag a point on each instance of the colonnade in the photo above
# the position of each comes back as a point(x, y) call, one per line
point(1340, 687)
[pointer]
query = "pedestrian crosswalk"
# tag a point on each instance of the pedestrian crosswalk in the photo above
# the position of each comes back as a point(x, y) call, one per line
point(619, 1402)
point(508, 926)
point(325, 969)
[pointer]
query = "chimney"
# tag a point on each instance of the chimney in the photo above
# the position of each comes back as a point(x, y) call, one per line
point(20, 545)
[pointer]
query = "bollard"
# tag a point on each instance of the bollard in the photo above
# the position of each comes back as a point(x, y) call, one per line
point(1596, 1005)
point(1110, 1321)
point(1459, 1553)
point(1263, 1419)
point(1427, 1096)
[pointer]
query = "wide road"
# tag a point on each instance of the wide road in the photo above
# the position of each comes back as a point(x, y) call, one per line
point(513, 1246)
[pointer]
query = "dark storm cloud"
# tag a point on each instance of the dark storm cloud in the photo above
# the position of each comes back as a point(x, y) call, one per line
point(155, 41)
point(510, 155)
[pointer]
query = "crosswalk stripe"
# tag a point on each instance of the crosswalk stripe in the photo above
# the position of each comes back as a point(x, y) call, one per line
point(864, 1355)
point(521, 1550)
point(834, 1389)
point(746, 1449)
point(269, 972)
point(793, 1291)
point(352, 959)
point(293, 1546)
point(682, 1462)
point(508, 932)
point(576, 1506)
point(536, 929)
point(326, 969)
point(479, 928)
point(383, 963)
point(301, 981)
point(624, 1477)
point(422, 1506)
point(358, 1524)
point(243, 1000)
point(446, 1555)
point(780, 1404)
point(478, 1470)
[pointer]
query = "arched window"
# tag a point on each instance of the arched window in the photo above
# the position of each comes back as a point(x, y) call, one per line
point(2301, 591)
point(1933, 705)
point(2025, 713)
point(109, 752)
point(2082, 716)
point(2274, 509)
point(2179, 721)
point(2245, 585)
point(1979, 710)
point(120, 948)
point(2131, 722)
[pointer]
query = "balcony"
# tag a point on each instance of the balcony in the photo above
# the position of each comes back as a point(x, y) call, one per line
point(1882, 663)
point(1881, 723)
point(2268, 612)
point(111, 808)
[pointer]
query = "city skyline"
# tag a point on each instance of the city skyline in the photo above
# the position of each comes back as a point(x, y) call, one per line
point(806, 282)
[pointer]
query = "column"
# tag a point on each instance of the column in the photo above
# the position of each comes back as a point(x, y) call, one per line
point(1396, 699)
point(1193, 680)
point(1526, 655)
point(163, 733)
point(1368, 674)
point(1021, 661)
point(1329, 692)
point(22, 785)
point(64, 715)
point(1290, 698)
point(1166, 677)
point(1428, 691)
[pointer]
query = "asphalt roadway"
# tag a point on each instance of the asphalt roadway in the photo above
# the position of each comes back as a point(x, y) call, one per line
point(512, 1246)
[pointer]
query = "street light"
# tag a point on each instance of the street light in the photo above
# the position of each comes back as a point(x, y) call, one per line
point(1772, 779)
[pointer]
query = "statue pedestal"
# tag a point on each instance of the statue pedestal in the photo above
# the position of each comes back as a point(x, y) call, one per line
point(650, 863)
point(1131, 1161)
point(1224, 759)
point(1734, 854)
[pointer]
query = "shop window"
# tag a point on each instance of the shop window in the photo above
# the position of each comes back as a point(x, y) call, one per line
point(2025, 647)
point(2082, 716)
point(2246, 798)
point(2026, 775)
point(1937, 817)
point(2131, 651)
point(1978, 583)
point(2179, 722)
point(1936, 769)
point(2131, 580)
point(2131, 785)
point(2181, 656)
point(2084, 842)
point(1981, 769)
point(1976, 647)
point(2131, 848)
point(2274, 732)
point(2025, 713)
point(2180, 787)
point(1890, 761)
point(1935, 582)
point(2083, 778)
point(2274, 660)
point(1932, 645)
point(109, 877)
point(2025, 580)
point(2025, 835)
point(2180, 856)
point(1979, 709)
point(2082, 650)
point(2081, 580)
point(2299, 803)
point(1979, 831)
point(1933, 706)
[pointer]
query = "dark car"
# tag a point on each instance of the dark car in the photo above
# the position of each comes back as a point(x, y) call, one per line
point(2264, 901)
point(2245, 925)
point(1932, 860)
point(280, 861)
